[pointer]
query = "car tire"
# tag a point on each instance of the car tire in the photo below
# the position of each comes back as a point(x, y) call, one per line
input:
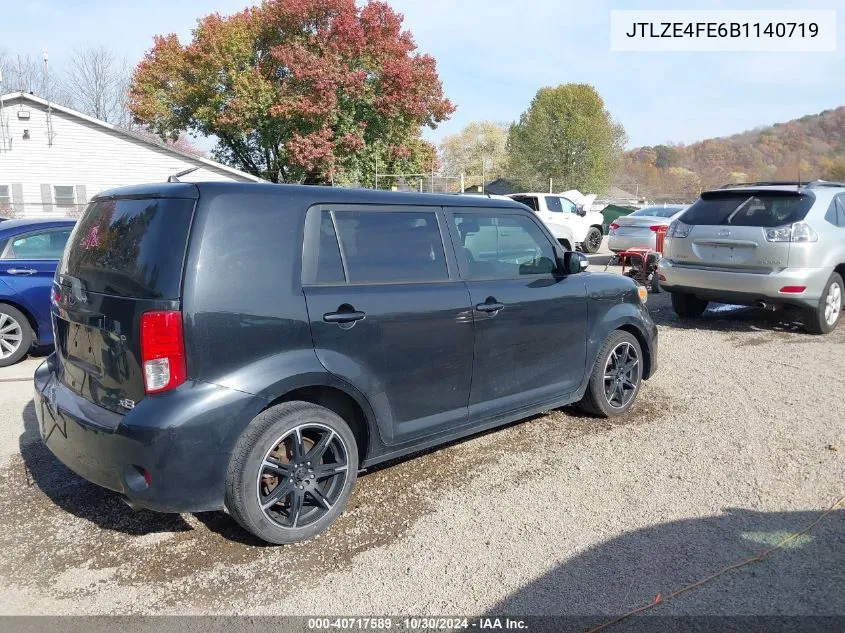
point(826, 316)
point(688, 306)
point(15, 335)
point(603, 398)
point(270, 461)
point(592, 243)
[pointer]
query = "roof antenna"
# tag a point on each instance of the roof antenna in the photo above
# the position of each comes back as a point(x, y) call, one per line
point(176, 177)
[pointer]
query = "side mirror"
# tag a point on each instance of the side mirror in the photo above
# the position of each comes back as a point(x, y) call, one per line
point(572, 263)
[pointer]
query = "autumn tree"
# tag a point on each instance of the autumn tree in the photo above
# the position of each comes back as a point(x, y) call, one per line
point(566, 135)
point(482, 146)
point(297, 90)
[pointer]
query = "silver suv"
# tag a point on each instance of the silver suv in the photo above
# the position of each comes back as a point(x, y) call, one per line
point(762, 244)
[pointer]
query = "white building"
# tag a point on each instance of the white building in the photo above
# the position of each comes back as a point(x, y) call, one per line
point(54, 164)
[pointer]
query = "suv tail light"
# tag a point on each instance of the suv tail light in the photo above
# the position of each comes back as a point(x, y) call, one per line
point(162, 350)
point(656, 227)
point(613, 227)
point(678, 229)
point(798, 232)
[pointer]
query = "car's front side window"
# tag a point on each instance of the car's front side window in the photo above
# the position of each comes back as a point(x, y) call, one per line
point(840, 210)
point(503, 246)
point(395, 246)
point(568, 205)
point(553, 204)
point(43, 245)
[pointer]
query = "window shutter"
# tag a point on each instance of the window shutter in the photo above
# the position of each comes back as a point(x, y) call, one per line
point(47, 197)
point(81, 195)
point(17, 198)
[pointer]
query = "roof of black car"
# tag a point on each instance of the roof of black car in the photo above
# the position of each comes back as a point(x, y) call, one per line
point(313, 194)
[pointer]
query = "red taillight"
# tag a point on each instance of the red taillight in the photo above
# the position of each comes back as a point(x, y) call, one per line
point(148, 478)
point(162, 350)
point(614, 226)
point(793, 290)
point(657, 227)
point(54, 296)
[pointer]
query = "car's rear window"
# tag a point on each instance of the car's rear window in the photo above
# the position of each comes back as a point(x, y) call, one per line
point(130, 247)
point(766, 209)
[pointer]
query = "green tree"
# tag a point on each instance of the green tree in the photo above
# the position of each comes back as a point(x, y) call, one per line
point(297, 90)
point(566, 135)
point(480, 141)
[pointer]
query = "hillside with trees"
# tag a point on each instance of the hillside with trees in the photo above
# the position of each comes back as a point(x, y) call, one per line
point(810, 147)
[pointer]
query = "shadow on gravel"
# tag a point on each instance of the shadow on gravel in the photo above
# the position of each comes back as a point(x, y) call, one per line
point(727, 318)
point(81, 498)
point(807, 577)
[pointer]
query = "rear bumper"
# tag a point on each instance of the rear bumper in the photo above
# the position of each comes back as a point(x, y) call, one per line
point(183, 439)
point(618, 243)
point(745, 288)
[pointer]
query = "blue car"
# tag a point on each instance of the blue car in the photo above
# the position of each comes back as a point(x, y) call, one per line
point(29, 253)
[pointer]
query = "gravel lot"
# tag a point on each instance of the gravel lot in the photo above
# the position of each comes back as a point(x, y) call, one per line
point(737, 442)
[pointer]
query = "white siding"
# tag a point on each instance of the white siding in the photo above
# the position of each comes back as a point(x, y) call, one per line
point(85, 154)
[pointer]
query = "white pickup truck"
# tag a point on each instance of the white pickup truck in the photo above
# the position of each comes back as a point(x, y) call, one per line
point(567, 217)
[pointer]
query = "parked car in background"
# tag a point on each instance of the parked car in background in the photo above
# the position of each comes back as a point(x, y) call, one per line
point(639, 229)
point(765, 244)
point(572, 225)
point(29, 253)
point(254, 346)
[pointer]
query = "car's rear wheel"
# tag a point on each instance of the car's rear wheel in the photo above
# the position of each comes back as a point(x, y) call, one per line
point(15, 335)
point(825, 317)
point(592, 243)
point(616, 377)
point(688, 306)
point(292, 472)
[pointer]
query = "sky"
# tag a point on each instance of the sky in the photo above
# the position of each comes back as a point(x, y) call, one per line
point(493, 55)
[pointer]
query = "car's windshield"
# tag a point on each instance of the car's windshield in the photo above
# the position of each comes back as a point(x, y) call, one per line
point(657, 212)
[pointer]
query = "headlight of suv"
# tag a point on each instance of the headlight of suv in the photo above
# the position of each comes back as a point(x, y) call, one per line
point(678, 229)
point(798, 232)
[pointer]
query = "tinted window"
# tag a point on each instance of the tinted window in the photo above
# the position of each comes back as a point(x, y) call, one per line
point(840, 211)
point(131, 248)
point(504, 246)
point(391, 246)
point(764, 209)
point(553, 204)
point(44, 245)
point(528, 201)
point(329, 263)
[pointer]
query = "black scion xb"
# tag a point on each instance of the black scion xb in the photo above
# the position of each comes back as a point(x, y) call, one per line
point(251, 347)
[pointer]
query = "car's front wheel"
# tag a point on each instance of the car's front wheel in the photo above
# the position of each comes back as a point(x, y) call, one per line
point(825, 317)
point(15, 335)
point(688, 306)
point(292, 472)
point(592, 243)
point(616, 377)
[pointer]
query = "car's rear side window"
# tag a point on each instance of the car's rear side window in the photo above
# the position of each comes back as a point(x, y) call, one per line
point(380, 246)
point(132, 247)
point(766, 209)
point(47, 244)
point(528, 201)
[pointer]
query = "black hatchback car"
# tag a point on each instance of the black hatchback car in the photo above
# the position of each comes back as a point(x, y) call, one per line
point(252, 347)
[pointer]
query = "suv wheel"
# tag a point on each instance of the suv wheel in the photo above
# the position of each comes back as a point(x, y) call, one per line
point(15, 335)
point(292, 472)
point(824, 318)
point(616, 378)
point(592, 243)
point(688, 306)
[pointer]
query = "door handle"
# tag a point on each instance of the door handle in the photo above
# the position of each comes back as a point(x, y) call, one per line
point(21, 271)
point(490, 307)
point(343, 317)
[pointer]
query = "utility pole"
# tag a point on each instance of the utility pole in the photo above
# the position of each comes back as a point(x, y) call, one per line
point(47, 96)
point(376, 171)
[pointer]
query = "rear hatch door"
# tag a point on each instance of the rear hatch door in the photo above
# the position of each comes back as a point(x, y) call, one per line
point(124, 258)
point(728, 230)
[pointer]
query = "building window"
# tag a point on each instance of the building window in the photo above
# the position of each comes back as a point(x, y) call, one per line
point(64, 196)
point(5, 195)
